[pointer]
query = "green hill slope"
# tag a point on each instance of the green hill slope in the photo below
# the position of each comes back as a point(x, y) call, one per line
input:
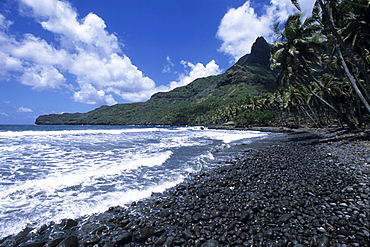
point(195, 103)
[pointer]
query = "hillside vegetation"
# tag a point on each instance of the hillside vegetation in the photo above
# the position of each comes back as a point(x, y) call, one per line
point(317, 74)
point(204, 101)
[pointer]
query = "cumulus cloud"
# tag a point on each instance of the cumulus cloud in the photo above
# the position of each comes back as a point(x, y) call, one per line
point(60, 18)
point(196, 71)
point(34, 50)
point(85, 50)
point(90, 95)
point(240, 26)
point(42, 77)
point(24, 109)
point(84, 58)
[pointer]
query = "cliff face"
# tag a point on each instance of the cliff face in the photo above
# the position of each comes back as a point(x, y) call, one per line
point(260, 54)
point(188, 105)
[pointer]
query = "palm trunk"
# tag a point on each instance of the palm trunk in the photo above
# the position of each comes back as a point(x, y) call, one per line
point(352, 80)
point(332, 106)
point(340, 41)
point(340, 114)
point(310, 117)
point(318, 119)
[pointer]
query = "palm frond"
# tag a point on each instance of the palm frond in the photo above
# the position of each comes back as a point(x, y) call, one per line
point(277, 30)
point(296, 4)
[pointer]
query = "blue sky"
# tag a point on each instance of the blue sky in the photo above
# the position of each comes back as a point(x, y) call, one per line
point(76, 55)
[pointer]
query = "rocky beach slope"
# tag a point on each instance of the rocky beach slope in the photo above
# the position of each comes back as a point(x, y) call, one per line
point(296, 189)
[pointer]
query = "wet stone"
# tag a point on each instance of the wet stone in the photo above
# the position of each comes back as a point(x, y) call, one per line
point(36, 244)
point(168, 242)
point(196, 216)
point(68, 224)
point(285, 217)
point(54, 242)
point(211, 243)
point(70, 241)
point(124, 238)
point(166, 212)
point(92, 241)
point(143, 234)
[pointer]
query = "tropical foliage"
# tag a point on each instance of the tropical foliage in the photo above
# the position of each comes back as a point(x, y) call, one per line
point(326, 56)
point(321, 64)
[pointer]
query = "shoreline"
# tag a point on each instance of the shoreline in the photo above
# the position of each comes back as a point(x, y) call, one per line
point(295, 189)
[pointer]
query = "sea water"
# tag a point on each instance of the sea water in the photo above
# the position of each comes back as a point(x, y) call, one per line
point(49, 173)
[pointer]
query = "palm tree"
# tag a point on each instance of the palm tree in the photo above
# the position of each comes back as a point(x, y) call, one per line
point(353, 24)
point(299, 98)
point(352, 21)
point(298, 53)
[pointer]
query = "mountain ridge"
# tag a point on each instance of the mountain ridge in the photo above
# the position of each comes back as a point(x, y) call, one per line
point(192, 104)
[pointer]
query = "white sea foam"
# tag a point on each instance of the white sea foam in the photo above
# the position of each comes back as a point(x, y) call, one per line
point(51, 174)
point(68, 206)
point(7, 134)
point(228, 136)
point(82, 175)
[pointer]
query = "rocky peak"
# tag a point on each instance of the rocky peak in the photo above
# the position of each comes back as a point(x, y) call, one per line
point(260, 54)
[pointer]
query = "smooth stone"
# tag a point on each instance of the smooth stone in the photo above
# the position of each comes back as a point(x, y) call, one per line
point(211, 243)
point(98, 230)
point(161, 239)
point(196, 216)
point(54, 242)
point(36, 244)
point(124, 238)
point(321, 229)
point(144, 234)
point(166, 212)
point(42, 229)
point(70, 241)
point(285, 217)
point(92, 241)
point(323, 242)
point(68, 224)
point(169, 242)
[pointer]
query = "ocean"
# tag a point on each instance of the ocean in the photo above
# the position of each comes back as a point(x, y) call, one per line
point(49, 173)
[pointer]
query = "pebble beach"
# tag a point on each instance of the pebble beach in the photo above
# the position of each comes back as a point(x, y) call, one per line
point(298, 189)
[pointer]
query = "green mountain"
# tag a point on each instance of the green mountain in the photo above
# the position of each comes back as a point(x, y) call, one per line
point(196, 103)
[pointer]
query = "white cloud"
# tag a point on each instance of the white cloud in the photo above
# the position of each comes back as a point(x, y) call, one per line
point(60, 18)
point(42, 78)
point(90, 95)
point(8, 63)
point(196, 71)
point(281, 9)
point(82, 50)
point(240, 26)
point(114, 74)
point(37, 51)
point(4, 24)
point(24, 109)
point(4, 114)
point(85, 50)
point(167, 67)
